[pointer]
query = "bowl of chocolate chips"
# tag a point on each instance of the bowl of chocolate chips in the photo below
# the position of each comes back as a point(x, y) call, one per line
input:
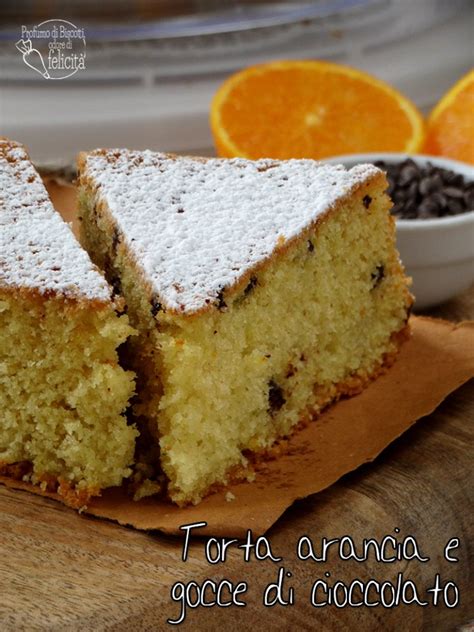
point(433, 205)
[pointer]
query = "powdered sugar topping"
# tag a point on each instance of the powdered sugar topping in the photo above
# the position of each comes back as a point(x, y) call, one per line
point(37, 249)
point(197, 226)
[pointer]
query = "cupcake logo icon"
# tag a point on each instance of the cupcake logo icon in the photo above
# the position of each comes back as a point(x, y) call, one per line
point(55, 49)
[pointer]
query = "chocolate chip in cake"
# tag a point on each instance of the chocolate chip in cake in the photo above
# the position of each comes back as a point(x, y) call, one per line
point(366, 200)
point(310, 245)
point(377, 275)
point(221, 304)
point(291, 370)
point(115, 239)
point(116, 284)
point(156, 306)
point(276, 399)
point(251, 285)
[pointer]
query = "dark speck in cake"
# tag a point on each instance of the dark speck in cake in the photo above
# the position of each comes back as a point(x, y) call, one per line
point(377, 275)
point(116, 285)
point(115, 239)
point(250, 286)
point(310, 245)
point(366, 201)
point(276, 399)
point(221, 304)
point(156, 306)
point(290, 371)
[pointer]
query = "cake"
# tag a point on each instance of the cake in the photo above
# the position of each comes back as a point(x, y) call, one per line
point(261, 292)
point(62, 390)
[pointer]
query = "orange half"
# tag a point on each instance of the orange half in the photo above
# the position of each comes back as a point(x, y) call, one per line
point(311, 109)
point(451, 124)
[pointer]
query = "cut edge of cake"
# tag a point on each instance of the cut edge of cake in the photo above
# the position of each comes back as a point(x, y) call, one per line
point(61, 329)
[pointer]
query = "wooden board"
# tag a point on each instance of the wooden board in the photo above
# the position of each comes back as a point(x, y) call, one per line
point(61, 571)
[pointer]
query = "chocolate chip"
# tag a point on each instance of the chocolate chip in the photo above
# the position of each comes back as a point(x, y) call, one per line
point(377, 275)
point(410, 209)
point(310, 245)
point(116, 284)
point(453, 192)
point(156, 306)
point(291, 370)
point(221, 304)
point(430, 184)
point(468, 198)
point(451, 178)
point(399, 196)
point(366, 200)
point(250, 286)
point(412, 191)
point(407, 174)
point(276, 399)
point(115, 239)
point(439, 199)
point(427, 209)
point(455, 207)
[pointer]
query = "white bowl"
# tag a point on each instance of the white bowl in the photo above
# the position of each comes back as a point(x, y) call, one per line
point(437, 253)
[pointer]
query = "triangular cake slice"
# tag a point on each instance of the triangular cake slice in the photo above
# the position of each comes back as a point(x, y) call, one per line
point(62, 391)
point(261, 291)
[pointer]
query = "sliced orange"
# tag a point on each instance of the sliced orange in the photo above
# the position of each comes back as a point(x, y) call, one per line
point(311, 109)
point(451, 124)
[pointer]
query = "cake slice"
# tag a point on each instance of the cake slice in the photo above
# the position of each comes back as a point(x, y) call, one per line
point(261, 292)
point(62, 391)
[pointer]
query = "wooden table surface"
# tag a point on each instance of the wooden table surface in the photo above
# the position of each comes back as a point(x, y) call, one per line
point(61, 571)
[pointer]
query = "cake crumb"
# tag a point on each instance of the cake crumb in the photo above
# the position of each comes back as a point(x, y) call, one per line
point(229, 496)
point(147, 488)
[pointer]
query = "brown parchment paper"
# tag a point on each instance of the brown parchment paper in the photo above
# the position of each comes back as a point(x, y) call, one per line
point(438, 358)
